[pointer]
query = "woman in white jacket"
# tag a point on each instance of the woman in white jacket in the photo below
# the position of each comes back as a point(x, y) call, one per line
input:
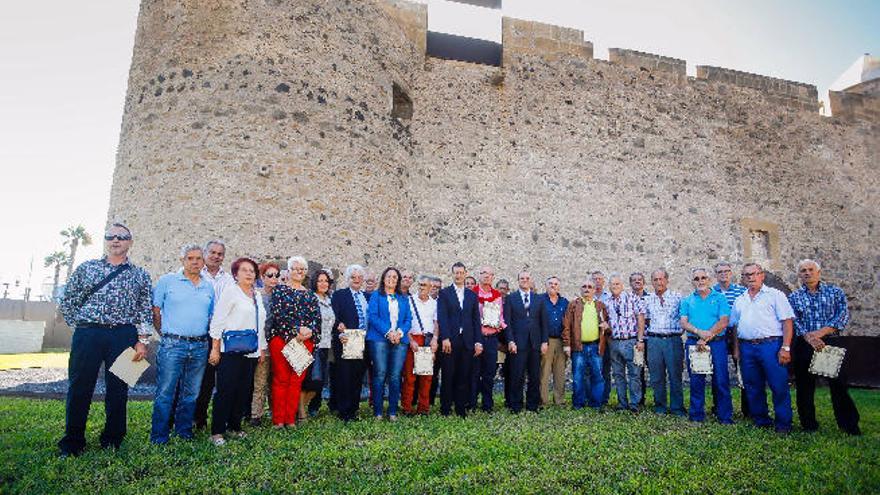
point(240, 310)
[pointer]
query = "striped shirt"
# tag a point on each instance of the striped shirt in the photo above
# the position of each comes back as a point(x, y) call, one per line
point(824, 308)
point(665, 315)
point(733, 291)
point(623, 315)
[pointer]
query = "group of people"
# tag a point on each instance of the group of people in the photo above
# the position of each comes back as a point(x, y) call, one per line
point(223, 335)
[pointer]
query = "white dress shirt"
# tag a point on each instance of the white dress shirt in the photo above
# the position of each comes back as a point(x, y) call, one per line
point(762, 316)
point(235, 311)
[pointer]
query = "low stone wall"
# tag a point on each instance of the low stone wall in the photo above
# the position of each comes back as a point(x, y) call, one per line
point(56, 334)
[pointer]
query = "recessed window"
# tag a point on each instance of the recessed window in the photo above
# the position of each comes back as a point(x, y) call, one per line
point(401, 106)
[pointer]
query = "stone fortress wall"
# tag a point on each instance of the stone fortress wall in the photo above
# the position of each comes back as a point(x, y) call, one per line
point(321, 128)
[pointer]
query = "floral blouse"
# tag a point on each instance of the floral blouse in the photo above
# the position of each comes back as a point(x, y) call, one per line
point(292, 309)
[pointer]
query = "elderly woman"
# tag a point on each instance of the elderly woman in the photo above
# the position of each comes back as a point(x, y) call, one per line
point(296, 314)
point(237, 330)
point(423, 332)
point(270, 274)
point(321, 286)
point(387, 340)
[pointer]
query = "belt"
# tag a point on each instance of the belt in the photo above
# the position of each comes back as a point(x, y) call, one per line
point(557, 338)
point(663, 335)
point(626, 338)
point(760, 341)
point(200, 338)
point(103, 325)
point(590, 342)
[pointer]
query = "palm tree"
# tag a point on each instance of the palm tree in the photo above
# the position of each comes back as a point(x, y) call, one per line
point(75, 236)
point(59, 259)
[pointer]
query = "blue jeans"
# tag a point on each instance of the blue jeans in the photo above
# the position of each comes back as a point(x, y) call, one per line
point(759, 365)
point(626, 373)
point(179, 362)
point(387, 365)
point(665, 360)
point(587, 359)
point(720, 384)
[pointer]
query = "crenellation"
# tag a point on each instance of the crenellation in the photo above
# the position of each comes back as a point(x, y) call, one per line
point(791, 93)
point(675, 69)
point(521, 37)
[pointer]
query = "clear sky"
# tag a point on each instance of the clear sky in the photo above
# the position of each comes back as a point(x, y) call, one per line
point(64, 69)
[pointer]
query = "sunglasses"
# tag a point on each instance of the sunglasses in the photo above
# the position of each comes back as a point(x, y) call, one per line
point(117, 237)
point(698, 279)
point(272, 275)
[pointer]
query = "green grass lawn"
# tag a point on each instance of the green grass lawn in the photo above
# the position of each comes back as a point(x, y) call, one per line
point(556, 451)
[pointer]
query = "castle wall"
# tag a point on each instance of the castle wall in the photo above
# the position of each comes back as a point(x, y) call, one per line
point(556, 162)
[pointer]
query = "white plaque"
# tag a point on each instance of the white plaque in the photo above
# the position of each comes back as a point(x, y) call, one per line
point(354, 348)
point(424, 362)
point(127, 370)
point(297, 355)
point(828, 361)
point(701, 361)
point(638, 357)
point(492, 314)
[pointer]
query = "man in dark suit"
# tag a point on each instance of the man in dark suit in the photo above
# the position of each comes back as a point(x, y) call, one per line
point(350, 309)
point(458, 315)
point(527, 339)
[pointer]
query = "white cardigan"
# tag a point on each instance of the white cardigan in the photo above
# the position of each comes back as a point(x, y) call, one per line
point(235, 311)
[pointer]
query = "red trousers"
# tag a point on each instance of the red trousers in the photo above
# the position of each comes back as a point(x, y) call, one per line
point(411, 382)
point(286, 384)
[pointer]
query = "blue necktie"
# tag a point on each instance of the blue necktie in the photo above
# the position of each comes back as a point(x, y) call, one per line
point(362, 320)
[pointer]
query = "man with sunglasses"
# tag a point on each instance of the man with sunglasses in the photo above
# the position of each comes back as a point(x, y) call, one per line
point(584, 340)
point(763, 319)
point(108, 301)
point(704, 316)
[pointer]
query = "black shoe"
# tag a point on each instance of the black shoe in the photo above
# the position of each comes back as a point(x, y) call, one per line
point(855, 432)
point(783, 431)
point(64, 454)
point(255, 422)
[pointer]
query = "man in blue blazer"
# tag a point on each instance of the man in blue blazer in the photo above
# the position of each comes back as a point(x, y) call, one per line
point(527, 338)
point(350, 309)
point(458, 315)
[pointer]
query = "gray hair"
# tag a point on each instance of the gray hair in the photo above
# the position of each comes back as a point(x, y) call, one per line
point(636, 274)
point(597, 272)
point(296, 259)
point(808, 261)
point(756, 265)
point(121, 226)
point(723, 263)
point(699, 269)
point(350, 270)
point(185, 250)
point(424, 278)
point(213, 242)
point(436, 279)
point(661, 270)
point(551, 277)
point(617, 276)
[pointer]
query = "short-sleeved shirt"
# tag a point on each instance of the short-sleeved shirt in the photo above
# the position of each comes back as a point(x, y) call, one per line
point(664, 316)
point(703, 312)
point(590, 323)
point(762, 316)
point(186, 307)
point(623, 315)
point(733, 291)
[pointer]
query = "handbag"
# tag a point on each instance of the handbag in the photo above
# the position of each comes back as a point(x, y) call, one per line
point(243, 341)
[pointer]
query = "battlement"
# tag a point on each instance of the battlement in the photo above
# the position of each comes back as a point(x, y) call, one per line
point(520, 37)
point(793, 93)
point(675, 67)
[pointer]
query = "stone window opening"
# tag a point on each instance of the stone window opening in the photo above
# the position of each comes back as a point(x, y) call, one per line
point(761, 243)
point(401, 103)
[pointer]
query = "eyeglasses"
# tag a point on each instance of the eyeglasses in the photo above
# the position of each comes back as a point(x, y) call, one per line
point(698, 279)
point(272, 275)
point(117, 237)
point(588, 287)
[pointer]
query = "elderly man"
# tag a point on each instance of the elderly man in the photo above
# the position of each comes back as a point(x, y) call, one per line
point(492, 325)
point(458, 316)
point(602, 295)
point(406, 280)
point(821, 314)
point(182, 306)
point(763, 319)
point(584, 340)
point(350, 312)
point(665, 349)
point(503, 367)
point(626, 315)
point(704, 316)
point(526, 342)
point(637, 284)
point(730, 290)
point(554, 360)
point(107, 303)
point(215, 253)
point(371, 283)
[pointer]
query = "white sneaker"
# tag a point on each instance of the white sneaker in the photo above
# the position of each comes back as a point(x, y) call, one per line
point(218, 440)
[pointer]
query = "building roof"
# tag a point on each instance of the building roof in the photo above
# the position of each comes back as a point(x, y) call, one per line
point(865, 68)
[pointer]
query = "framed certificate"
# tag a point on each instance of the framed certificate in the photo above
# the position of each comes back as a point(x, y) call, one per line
point(492, 314)
point(701, 361)
point(424, 362)
point(638, 357)
point(298, 356)
point(828, 361)
point(354, 348)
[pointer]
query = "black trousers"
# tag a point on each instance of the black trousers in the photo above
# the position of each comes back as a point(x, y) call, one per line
point(205, 393)
point(349, 378)
point(845, 411)
point(456, 385)
point(91, 347)
point(483, 373)
point(234, 373)
point(252, 368)
point(327, 373)
point(435, 382)
point(526, 364)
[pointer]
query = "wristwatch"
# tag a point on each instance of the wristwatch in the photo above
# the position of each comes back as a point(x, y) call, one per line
point(144, 339)
point(786, 348)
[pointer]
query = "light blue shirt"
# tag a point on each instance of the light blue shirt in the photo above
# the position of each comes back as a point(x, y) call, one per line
point(665, 315)
point(186, 308)
point(762, 316)
point(705, 312)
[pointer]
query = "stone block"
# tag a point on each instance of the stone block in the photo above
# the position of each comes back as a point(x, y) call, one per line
point(19, 336)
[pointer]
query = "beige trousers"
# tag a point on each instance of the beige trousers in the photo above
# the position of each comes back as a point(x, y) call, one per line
point(553, 361)
point(261, 386)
